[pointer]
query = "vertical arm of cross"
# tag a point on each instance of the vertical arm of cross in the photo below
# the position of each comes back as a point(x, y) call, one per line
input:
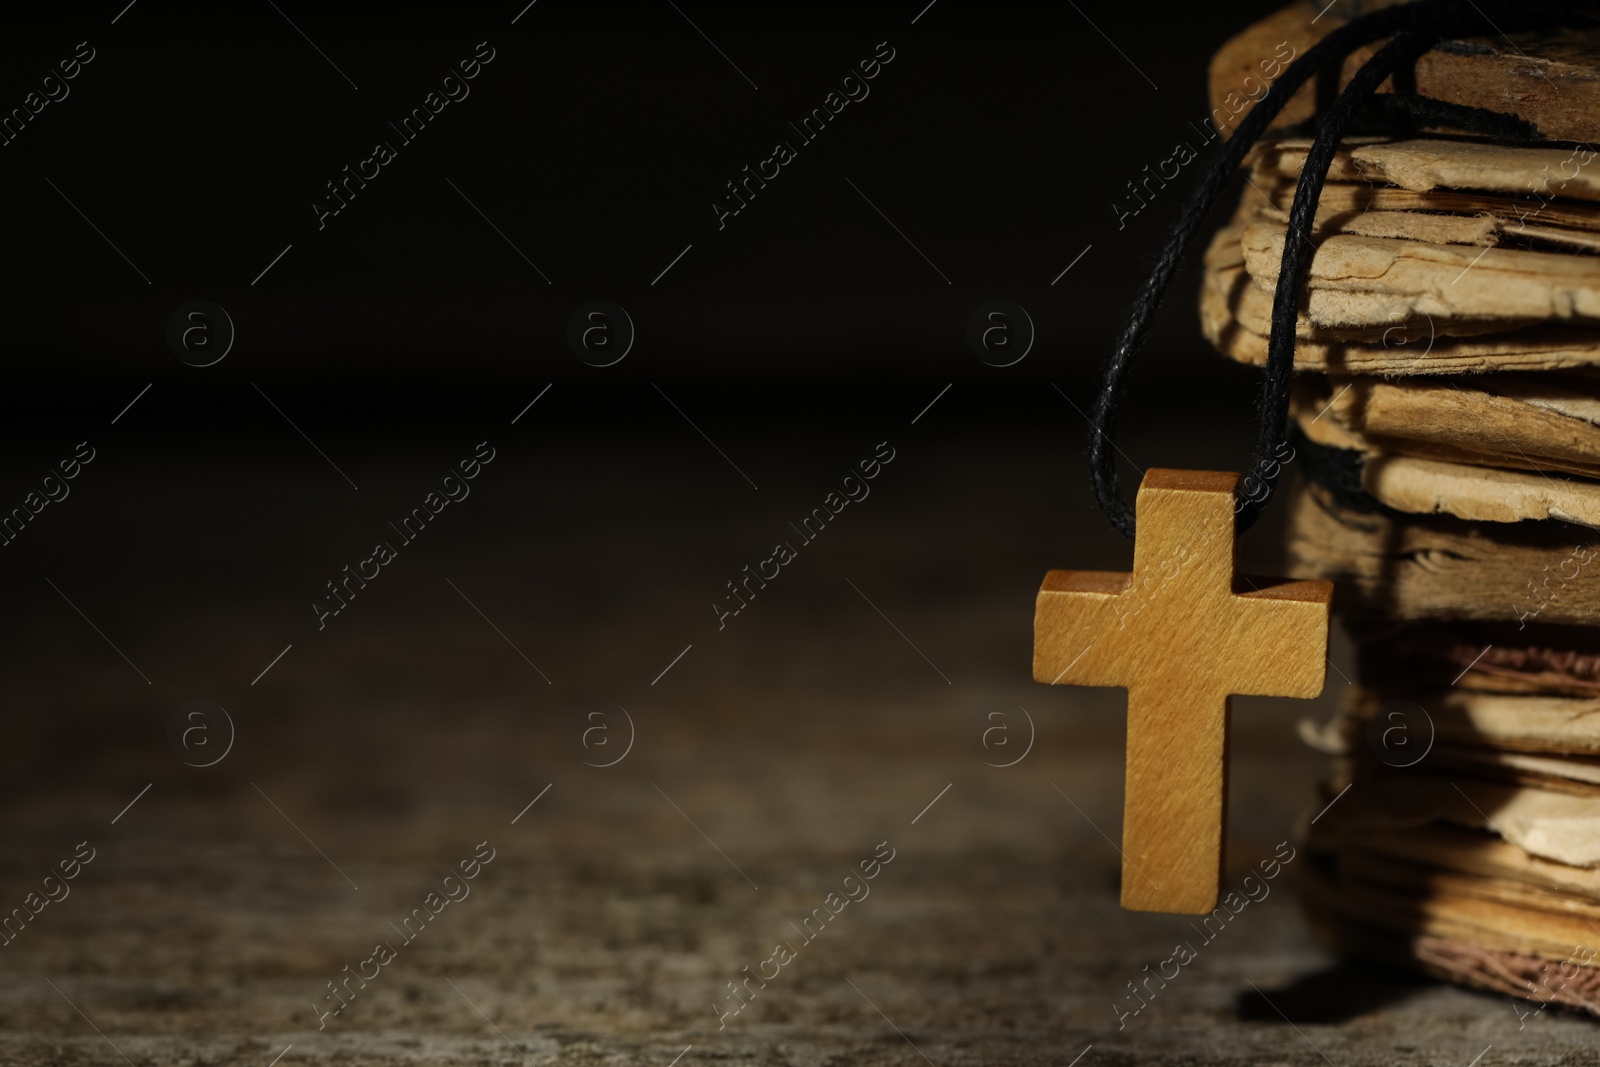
point(1175, 791)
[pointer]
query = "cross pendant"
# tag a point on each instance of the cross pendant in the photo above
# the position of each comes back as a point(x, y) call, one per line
point(1183, 634)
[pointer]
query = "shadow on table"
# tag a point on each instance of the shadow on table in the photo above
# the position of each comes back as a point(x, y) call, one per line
point(1334, 994)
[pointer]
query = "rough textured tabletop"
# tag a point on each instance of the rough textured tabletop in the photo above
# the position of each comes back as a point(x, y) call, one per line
point(845, 707)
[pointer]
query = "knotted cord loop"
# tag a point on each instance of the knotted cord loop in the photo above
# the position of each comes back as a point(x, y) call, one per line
point(1414, 29)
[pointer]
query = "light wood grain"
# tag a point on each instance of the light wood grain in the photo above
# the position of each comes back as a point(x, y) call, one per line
point(1444, 568)
point(1344, 198)
point(1427, 164)
point(1483, 494)
point(1556, 825)
point(1233, 298)
point(1466, 852)
point(1549, 79)
point(1180, 635)
point(1478, 225)
point(1235, 317)
point(1543, 424)
point(1420, 901)
point(1375, 281)
point(1501, 722)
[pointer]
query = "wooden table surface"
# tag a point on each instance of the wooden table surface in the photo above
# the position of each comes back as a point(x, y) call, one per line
point(845, 707)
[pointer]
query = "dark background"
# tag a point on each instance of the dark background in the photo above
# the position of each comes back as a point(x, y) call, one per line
point(596, 140)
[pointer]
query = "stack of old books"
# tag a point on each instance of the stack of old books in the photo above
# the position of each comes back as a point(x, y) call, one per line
point(1448, 402)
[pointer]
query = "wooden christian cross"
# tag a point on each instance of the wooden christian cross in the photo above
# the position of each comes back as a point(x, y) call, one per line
point(1180, 635)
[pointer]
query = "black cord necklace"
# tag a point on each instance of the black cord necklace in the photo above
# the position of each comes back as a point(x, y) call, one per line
point(1414, 28)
